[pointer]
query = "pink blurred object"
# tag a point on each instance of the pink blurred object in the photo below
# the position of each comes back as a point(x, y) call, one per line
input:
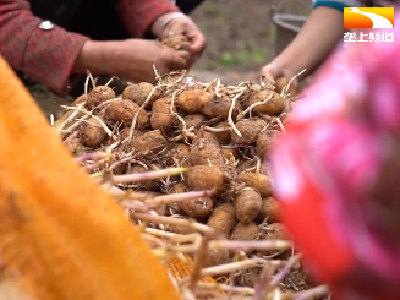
point(337, 171)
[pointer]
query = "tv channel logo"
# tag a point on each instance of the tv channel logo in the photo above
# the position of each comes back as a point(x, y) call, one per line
point(368, 17)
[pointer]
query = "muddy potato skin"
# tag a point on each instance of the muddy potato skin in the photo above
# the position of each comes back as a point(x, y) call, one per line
point(260, 182)
point(216, 258)
point(138, 92)
point(93, 134)
point(274, 106)
point(125, 133)
point(124, 110)
point(229, 153)
point(161, 115)
point(223, 219)
point(204, 177)
point(177, 42)
point(179, 188)
point(74, 146)
point(250, 130)
point(180, 153)
point(205, 137)
point(280, 84)
point(179, 229)
point(99, 95)
point(197, 207)
point(193, 101)
point(245, 232)
point(265, 141)
point(151, 142)
point(248, 205)
point(270, 209)
point(193, 120)
point(148, 185)
point(205, 153)
point(79, 100)
point(219, 107)
point(64, 118)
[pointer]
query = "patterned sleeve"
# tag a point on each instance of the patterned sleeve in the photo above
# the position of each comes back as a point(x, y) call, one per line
point(340, 5)
point(46, 56)
point(139, 15)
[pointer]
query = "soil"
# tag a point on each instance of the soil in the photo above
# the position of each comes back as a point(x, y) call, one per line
point(241, 39)
point(241, 35)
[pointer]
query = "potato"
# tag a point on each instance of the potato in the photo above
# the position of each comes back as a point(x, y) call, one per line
point(125, 133)
point(197, 207)
point(151, 142)
point(223, 219)
point(224, 137)
point(207, 137)
point(79, 100)
point(205, 153)
point(250, 130)
point(204, 177)
point(193, 120)
point(161, 209)
point(124, 110)
point(99, 95)
point(280, 84)
point(219, 107)
point(74, 146)
point(228, 153)
point(180, 153)
point(275, 231)
point(264, 142)
point(149, 185)
point(93, 134)
point(177, 42)
point(64, 118)
point(216, 258)
point(138, 93)
point(161, 116)
point(245, 232)
point(248, 205)
point(274, 106)
point(194, 101)
point(270, 209)
point(178, 188)
point(179, 229)
point(259, 182)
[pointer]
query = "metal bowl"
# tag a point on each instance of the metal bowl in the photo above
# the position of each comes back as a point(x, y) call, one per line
point(287, 26)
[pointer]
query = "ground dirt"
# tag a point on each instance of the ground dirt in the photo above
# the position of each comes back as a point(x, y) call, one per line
point(241, 38)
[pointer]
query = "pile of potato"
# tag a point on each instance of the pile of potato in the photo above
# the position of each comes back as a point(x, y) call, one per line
point(177, 123)
point(194, 126)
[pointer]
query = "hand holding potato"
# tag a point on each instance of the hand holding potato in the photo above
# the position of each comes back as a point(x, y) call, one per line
point(182, 26)
point(280, 76)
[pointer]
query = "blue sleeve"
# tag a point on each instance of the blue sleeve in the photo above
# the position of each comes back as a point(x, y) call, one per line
point(339, 5)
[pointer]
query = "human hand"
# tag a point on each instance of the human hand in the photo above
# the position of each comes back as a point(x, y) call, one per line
point(134, 59)
point(273, 72)
point(182, 25)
